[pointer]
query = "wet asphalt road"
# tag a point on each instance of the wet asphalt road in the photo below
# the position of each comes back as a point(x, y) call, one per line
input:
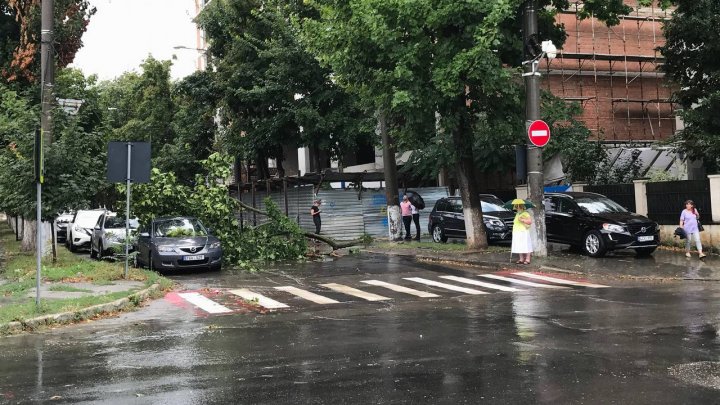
point(630, 343)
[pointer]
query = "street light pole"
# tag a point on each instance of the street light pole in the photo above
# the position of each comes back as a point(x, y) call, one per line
point(536, 181)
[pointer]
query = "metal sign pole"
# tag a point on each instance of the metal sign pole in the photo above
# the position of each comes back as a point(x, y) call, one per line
point(38, 244)
point(127, 209)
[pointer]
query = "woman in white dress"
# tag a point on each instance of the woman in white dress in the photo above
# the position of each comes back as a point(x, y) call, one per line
point(521, 240)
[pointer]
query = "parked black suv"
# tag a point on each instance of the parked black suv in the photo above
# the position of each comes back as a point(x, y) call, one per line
point(597, 224)
point(448, 221)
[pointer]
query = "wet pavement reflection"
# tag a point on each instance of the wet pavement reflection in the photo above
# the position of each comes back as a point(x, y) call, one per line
point(631, 343)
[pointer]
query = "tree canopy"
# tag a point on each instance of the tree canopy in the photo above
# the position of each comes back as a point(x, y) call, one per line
point(691, 51)
point(274, 94)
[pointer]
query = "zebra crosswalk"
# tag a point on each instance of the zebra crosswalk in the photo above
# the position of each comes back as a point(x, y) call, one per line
point(231, 300)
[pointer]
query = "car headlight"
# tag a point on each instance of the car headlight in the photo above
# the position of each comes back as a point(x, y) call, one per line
point(613, 228)
point(493, 223)
point(657, 227)
point(113, 237)
point(165, 249)
point(214, 245)
point(76, 228)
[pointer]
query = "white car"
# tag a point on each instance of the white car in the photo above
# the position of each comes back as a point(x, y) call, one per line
point(79, 231)
point(108, 236)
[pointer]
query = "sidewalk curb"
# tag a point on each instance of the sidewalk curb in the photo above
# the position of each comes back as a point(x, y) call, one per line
point(131, 301)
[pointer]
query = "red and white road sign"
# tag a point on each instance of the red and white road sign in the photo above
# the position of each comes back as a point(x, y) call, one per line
point(539, 133)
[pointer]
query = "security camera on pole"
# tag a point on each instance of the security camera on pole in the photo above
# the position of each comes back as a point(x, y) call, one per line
point(537, 138)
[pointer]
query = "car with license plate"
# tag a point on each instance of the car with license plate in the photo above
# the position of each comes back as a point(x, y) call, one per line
point(597, 224)
point(175, 243)
point(108, 236)
point(447, 220)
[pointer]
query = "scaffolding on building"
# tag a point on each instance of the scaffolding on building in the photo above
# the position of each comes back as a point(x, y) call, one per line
point(624, 95)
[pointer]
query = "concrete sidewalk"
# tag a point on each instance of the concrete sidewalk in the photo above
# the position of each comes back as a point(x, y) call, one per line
point(662, 265)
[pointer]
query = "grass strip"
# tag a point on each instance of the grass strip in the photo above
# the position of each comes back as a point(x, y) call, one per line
point(18, 270)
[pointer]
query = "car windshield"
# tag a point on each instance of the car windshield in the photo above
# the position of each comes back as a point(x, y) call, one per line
point(119, 223)
point(87, 219)
point(599, 205)
point(492, 204)
point(179, 227)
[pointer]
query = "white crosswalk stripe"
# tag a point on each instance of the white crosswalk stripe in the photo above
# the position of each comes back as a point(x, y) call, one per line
point(560, 280)
point(399, 288)
point(481, 283)
point(262, 300)
point(521, 282)
point(445, 286)
point(354, 292)
point(204, 303)
point(316, 298)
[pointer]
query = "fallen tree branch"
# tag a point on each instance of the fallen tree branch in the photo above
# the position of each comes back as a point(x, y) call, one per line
point(335, 245)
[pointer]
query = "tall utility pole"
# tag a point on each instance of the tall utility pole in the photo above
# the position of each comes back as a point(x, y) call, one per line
point(47, 78)
point(536, 181)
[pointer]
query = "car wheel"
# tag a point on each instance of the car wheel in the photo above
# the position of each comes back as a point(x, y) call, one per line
point(438, 235)
point(101, 251)
point(647, 251)
point(150, 262)
point(72, 247)
point(593, 244)
point(93, 253)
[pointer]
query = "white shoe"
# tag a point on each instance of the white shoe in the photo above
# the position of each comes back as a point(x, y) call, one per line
point(687, 254)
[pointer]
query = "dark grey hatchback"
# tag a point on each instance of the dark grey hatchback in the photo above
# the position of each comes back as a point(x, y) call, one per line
point(177, 243)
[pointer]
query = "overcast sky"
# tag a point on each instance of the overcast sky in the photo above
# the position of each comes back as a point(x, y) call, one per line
point(124, 32)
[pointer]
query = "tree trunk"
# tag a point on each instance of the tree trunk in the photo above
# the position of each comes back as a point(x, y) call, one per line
point(29, 236)
point(391, 184)
point(469, 192)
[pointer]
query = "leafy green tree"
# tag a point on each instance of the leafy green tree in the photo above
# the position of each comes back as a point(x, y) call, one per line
point(582, 160)
point(193, 126)
point(75, 165)
point(691, 51)
point(274, 93)
point(143, 107)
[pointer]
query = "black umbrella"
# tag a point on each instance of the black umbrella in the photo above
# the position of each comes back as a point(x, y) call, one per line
point(416, 199)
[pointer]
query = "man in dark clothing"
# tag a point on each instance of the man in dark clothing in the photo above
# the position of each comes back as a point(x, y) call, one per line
point(315, 212)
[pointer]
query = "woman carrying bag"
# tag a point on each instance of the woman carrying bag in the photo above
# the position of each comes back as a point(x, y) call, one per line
point(690, 223)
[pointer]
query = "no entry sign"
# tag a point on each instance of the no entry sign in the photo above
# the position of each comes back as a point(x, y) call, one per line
point(539, 133)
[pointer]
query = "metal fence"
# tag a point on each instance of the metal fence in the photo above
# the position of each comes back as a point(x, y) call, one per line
point(623, 194)
point(666, 199)
point(346, 214)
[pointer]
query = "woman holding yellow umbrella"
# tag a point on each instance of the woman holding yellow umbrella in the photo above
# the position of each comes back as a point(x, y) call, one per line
point(521, 239)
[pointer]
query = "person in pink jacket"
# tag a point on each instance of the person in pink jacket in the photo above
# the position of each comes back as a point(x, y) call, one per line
point(406, 210)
